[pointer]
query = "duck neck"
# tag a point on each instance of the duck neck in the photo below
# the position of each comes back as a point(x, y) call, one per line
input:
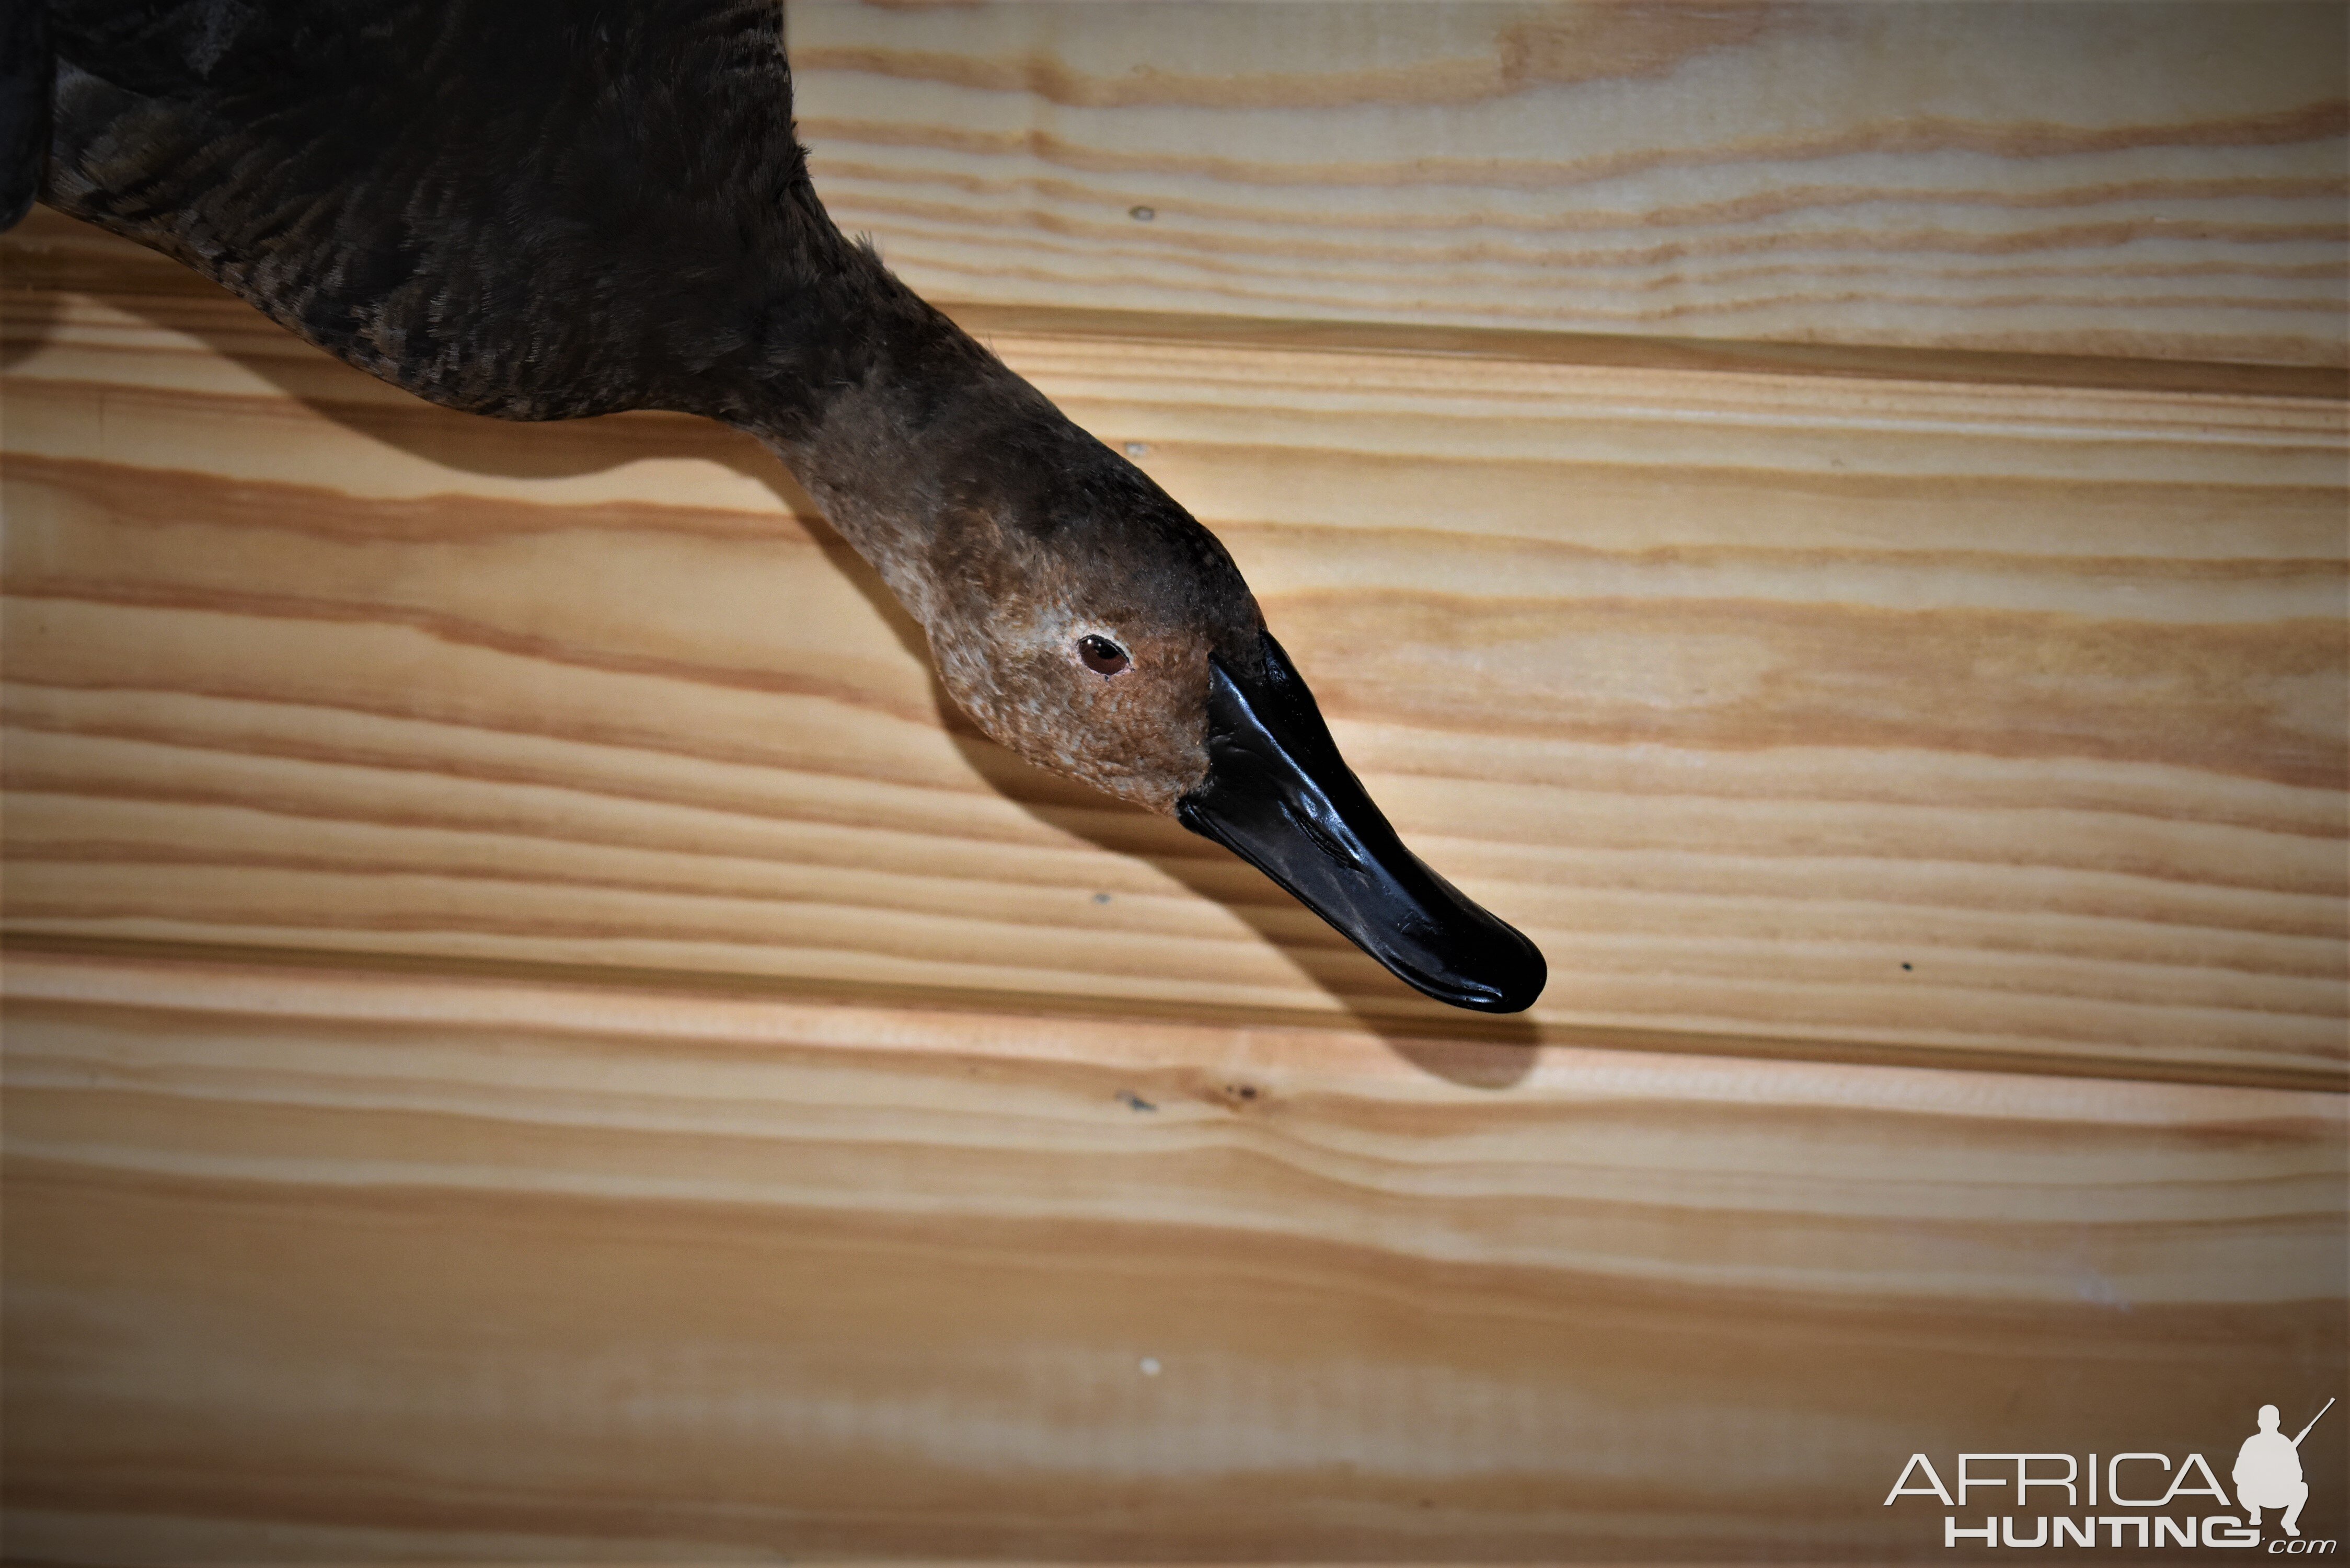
point(885, 418)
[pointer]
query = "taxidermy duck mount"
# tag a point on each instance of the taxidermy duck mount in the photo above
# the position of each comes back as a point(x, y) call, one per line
point(548, 208)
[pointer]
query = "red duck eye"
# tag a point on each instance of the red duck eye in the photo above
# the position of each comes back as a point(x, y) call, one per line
point(1102, 656)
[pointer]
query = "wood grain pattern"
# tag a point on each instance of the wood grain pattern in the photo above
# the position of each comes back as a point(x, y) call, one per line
point(2134, 180)
point(1789, 712)
point(322, 1266)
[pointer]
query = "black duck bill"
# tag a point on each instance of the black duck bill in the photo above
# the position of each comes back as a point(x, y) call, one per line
point(1280, 796)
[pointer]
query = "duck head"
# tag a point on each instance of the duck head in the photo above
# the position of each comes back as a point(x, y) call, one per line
point(1087, 622)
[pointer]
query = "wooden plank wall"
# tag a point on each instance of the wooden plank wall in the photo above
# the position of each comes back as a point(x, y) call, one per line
point(532, 1031)
point(2125, 179)
point(1741, 691)
point(326, 1266)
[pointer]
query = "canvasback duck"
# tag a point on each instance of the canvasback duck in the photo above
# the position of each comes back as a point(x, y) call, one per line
point(548, 208)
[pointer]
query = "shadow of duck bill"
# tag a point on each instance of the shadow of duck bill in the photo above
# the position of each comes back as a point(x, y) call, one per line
point(1279, 796)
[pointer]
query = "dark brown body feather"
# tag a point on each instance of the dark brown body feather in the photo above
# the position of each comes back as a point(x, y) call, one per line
point(536, 210)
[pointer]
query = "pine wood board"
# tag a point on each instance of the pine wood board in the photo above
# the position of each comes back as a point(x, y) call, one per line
point(1953, 721)
point(332, 1265)
point(2135, 180)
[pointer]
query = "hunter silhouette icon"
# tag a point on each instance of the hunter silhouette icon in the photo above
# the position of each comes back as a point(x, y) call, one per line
point(2268, 1471)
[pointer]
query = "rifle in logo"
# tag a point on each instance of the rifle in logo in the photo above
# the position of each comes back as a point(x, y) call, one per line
point(2268, 1471)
